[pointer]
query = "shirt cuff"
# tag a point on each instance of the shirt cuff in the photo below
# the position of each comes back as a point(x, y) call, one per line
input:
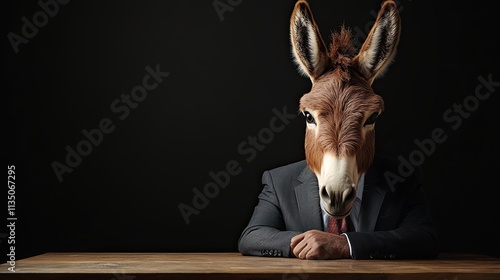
point(349, 242)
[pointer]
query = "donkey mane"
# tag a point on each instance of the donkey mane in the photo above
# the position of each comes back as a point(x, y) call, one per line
point(341, 53)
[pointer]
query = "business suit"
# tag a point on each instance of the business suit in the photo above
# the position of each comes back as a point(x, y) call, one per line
point(393, 222)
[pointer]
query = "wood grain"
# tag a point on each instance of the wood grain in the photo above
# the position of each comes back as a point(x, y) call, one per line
point(136, 266)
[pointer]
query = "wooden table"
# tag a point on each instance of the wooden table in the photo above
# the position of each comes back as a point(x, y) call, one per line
point(137, 266)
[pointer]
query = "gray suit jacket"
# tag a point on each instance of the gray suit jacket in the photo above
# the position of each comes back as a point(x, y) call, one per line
point(394, 222)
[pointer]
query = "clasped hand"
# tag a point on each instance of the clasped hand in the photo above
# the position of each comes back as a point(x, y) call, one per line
point(316, 245)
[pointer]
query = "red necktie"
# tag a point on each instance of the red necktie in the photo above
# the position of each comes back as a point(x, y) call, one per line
point(338, 226)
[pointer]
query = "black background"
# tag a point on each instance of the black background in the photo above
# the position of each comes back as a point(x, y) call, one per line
point(226, 77)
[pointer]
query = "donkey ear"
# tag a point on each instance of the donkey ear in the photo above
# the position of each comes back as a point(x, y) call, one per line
point(309, 49)
point(379, 48)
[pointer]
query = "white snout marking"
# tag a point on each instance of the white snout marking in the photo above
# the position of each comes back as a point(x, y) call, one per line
point(337, 175)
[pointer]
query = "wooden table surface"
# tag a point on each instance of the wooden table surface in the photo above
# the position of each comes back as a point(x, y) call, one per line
point(136, 266)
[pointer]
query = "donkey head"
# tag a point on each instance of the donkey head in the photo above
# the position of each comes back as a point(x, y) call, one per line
point(341, 108)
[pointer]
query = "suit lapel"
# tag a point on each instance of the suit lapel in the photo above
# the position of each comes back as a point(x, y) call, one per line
point(373, 195)
point(307, 195)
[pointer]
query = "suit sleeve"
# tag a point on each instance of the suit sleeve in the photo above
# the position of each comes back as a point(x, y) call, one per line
point(415, 237)
point(266, 234)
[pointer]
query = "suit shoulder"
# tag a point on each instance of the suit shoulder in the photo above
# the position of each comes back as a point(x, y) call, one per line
point(286, 174)
point(293, 168)
point(284, 178)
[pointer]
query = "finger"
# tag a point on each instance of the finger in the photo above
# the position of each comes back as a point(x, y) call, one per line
point(296, 240)
point(312, 254)
point(299, 249)
point(298, 252)
point(304, 252)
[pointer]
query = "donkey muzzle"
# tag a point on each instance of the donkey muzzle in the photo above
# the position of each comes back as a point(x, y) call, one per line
point(337, 184)
point(338, 201)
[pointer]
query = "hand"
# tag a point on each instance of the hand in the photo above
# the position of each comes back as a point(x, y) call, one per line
point(317, 245)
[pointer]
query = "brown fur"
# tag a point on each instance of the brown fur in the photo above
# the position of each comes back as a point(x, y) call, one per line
point(344, 99)
point(341, 53)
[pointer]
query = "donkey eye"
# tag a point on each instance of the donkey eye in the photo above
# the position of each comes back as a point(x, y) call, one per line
point(309, 117)
point(371, 119)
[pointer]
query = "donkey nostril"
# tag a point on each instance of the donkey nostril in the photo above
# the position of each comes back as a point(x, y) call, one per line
point(324, 192)
point(348, 194)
